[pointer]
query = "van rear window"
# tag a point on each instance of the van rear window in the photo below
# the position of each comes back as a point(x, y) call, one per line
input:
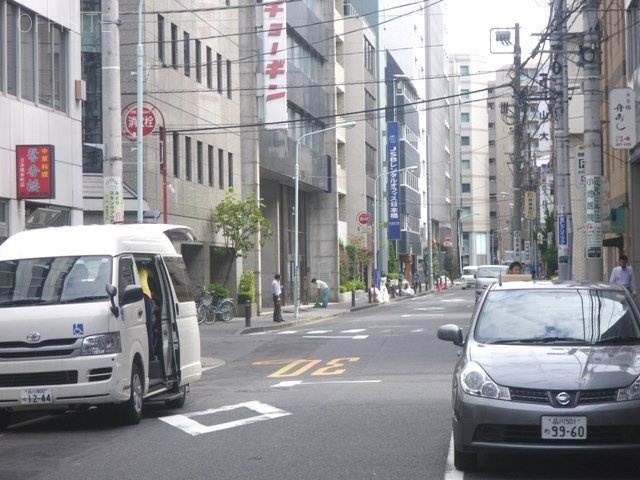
point(180, 278)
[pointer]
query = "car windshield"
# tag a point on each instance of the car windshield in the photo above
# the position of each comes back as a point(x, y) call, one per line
point(469, 270)
point(540, 316)
point(54, 280)
point(492, 271)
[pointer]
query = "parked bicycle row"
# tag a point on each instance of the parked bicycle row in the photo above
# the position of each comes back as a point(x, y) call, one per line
point(212, 308)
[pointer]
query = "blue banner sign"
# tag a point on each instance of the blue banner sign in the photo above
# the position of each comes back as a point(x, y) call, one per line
point(393, 177)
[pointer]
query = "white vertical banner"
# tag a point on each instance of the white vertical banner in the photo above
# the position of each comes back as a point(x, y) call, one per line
point(622, 118)
point(275, 64)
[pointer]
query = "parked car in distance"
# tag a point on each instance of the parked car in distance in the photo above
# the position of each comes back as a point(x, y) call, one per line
point(468, 277)
point(486, 275)
point(547, 368)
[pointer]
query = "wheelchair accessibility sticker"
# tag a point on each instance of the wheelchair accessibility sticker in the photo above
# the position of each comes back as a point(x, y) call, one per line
point(78, 328)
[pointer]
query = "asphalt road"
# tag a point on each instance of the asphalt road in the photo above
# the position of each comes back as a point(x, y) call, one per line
point(362, 396)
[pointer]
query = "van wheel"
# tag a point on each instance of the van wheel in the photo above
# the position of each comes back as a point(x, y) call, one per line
point(180, 401)
point(4, 419)
point(130, 412)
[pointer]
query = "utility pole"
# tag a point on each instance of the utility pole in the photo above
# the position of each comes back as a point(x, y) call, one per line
point(518, 160)
point(564, 232)
point(590, 53)
point(111, 115)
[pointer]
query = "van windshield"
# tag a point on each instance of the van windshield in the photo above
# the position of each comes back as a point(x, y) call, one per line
point(54, 280)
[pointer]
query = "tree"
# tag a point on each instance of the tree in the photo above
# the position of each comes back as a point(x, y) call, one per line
point(548, 251)
point(240, 221)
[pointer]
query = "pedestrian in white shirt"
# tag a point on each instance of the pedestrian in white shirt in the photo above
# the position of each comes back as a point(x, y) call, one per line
point(323, 291)
point(276, 290)
point(623, 274)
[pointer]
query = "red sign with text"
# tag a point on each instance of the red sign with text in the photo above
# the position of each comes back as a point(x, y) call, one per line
point(35, 169)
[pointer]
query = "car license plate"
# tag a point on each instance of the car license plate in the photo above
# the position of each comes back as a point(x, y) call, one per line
point(36, 396)
point(564, 428)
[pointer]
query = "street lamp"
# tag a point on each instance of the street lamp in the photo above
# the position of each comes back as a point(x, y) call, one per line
point(375, 216)
point(296, 275)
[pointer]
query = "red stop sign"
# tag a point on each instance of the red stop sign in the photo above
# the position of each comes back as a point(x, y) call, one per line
point(148, 122)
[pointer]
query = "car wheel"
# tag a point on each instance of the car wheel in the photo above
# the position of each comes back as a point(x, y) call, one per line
point(130, 412)
point(178, 402)
point(464, 461)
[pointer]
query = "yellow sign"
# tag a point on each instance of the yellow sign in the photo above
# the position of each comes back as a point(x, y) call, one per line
point(530, 205)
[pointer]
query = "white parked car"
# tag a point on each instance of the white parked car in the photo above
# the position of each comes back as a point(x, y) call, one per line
point(468, 278)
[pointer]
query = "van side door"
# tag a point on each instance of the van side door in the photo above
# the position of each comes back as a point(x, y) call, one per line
point(188, 333)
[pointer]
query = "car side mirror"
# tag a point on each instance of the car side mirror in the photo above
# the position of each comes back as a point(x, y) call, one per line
point(132, 294)
point(112, 291)
point(451, 333)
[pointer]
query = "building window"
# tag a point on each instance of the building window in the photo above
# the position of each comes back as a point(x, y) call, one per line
point(50, 65)
point(492, 160)
point(466, 188)
point(464, 117)
point(228, 78)
point(221, 168)
point(464, 70)
point(230, 168)
point(370, 108)
point(27, 21)
point(199, 162)
point(176, 154)
point(464, 94)
point(219, 71)
point(161, 38)
point(187, 159)
point(210, 162)
point(198, 48)
point(369, 56)
point(209, 68)
point(492, 126)
point(174, 46)
point(491, 106)
point(492, 143)
point(465, 141)
point(465, 164)
point(370, 160)
point(187, 53)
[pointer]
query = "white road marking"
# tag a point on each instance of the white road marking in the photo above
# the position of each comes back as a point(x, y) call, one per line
point(450, 472)
point(287, 332)
point(354, 330)
point(317, 332)
point(417, 330)
point(187, 425)
point(355, 337)
point(430, 308)
point(293, 383)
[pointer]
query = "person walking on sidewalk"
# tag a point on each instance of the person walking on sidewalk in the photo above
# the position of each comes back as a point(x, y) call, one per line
point(276, 290)
point(623, 274)
point(323, 291)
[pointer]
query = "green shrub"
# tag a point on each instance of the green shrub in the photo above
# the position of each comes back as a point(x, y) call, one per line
point(219, 291)
point(343, 288)
point(247, 287)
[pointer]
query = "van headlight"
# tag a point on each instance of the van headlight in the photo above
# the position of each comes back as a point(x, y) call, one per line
point(475, 381)
point(101, 344)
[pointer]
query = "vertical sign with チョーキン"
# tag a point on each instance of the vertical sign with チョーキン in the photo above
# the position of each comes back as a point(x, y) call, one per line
point(275, 64)
point(622, 118)
point(593, 218)
point(393, 187)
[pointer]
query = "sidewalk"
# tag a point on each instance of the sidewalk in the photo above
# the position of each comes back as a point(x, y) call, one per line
point(306, 314)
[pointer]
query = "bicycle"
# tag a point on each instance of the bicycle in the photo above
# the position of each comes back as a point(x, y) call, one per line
point(224, 310)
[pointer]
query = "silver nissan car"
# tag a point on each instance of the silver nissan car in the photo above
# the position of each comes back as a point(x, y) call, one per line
point(547, 367)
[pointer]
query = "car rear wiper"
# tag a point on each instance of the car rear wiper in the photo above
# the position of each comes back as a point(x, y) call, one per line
point(541, 340)
point(616, 340)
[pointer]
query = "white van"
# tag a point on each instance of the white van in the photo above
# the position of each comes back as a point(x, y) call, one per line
point(77, 330)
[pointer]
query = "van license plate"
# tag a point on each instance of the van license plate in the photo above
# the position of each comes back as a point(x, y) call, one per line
point(36, 396)
point(564, 428)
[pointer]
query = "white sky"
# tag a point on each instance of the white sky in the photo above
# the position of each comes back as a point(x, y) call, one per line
point(469, 24)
